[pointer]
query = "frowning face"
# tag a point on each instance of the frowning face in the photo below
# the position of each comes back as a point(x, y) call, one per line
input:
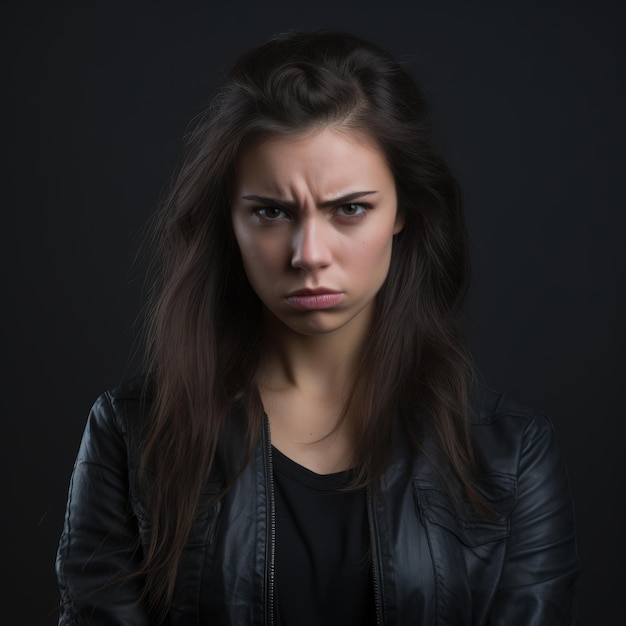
point(314, 217)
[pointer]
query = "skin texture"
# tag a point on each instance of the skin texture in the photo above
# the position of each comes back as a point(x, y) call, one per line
point(314, 212)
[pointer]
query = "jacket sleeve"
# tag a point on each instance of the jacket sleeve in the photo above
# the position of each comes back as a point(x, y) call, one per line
point(100, 541)
point(541, 563)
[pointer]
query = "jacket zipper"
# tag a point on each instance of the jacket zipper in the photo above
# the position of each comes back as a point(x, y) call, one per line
point(271, 526)
point(271, 538)
point(376, 578)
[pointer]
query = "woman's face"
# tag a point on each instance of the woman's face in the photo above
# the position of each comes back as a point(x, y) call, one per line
point(314, 217)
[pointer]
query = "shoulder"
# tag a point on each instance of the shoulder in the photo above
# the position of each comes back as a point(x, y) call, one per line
point(126, 402)
point(499, 409)
point(128, 396)
point(505, 431)
point(115, 420)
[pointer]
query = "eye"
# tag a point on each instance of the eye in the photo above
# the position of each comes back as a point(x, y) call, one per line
point(270, 213)
point(352, 210)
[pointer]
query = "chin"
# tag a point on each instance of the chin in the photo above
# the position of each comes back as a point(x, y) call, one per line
point(325, 322)
point(312, 327)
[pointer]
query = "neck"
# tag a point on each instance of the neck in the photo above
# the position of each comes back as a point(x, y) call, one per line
point(323, 365)
point(304, 384)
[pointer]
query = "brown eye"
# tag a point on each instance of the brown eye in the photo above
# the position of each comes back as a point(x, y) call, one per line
point(270, 213)
point(351, 210)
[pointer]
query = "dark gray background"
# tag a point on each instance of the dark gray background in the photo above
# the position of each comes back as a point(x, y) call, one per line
point(529, 101)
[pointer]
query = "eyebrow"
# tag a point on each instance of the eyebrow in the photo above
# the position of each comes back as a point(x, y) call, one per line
point(285, 204)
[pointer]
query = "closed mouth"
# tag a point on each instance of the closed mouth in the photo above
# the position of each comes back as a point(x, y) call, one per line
point(319, 291)
point(314, 299)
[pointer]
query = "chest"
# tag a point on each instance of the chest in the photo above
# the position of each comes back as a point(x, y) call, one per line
point(425, 562)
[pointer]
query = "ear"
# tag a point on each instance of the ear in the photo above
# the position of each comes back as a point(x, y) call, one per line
point(399, 223)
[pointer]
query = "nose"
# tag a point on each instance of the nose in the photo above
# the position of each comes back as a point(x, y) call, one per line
point(311, 249)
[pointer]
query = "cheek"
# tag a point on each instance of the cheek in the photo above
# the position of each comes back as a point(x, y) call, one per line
point(262, 262)
point(376, 250)
point(246, 250)
point(242, 234)
point(262, 253)
point(371, 261)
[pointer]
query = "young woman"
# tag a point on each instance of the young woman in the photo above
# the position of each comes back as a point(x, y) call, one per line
point(309, 446)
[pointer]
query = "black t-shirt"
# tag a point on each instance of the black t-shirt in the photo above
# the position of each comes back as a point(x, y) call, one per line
point(323, 566)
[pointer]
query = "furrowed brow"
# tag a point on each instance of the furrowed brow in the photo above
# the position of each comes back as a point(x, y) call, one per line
point(349, 197)
point(285, 204)
point(276, 202)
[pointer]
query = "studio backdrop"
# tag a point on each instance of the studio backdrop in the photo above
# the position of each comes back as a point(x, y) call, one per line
point(528, 104)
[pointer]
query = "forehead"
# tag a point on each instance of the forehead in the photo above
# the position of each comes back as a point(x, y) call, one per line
point(324, 161)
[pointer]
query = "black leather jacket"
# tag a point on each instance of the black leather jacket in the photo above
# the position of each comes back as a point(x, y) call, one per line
point(430, 566)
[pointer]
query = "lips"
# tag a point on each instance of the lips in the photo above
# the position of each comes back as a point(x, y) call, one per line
point(318, 291)
point(314, 299)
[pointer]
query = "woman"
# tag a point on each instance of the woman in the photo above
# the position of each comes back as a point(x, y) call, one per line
point(310, 447)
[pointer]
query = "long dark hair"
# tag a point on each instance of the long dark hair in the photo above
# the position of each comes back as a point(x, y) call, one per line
point(204, 338)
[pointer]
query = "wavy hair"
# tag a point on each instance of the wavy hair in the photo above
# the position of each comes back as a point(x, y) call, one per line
point(204, 331)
